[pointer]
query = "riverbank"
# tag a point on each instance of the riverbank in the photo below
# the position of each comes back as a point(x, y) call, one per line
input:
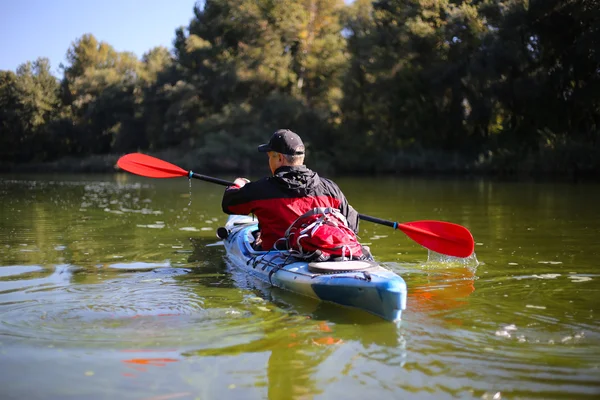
point(501, 164)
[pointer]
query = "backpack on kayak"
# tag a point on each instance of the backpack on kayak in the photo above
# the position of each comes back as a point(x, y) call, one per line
point(323, 234)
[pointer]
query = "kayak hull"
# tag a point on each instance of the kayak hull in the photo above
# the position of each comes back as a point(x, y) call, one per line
point(360, 284)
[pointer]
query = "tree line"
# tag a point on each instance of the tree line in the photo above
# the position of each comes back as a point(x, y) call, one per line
point(505, 86)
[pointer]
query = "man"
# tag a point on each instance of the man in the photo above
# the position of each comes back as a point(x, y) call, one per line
point(292, 190)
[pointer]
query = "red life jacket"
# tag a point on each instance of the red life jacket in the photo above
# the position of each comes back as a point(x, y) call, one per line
point(322, 234)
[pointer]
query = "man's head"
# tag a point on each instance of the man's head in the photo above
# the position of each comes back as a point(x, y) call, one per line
point(284, 148)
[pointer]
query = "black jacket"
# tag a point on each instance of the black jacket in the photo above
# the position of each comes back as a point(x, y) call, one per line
point(278, 200)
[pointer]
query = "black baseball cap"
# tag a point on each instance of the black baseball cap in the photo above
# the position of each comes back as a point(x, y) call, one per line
point(284, 141)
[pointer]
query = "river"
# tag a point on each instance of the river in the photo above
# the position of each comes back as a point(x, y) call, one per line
point(115, 286)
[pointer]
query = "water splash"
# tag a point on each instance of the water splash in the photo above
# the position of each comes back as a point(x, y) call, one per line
point(438, 260)
point(190, 196)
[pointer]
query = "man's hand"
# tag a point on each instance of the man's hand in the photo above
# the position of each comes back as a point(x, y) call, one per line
point(240, 182)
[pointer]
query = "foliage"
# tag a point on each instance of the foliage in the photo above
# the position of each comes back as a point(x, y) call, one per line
point(29, 104)
point(384, 86)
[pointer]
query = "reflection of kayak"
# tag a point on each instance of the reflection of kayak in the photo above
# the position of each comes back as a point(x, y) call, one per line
point(361, 284)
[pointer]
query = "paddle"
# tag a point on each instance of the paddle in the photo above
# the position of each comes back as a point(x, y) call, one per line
point(439, 236)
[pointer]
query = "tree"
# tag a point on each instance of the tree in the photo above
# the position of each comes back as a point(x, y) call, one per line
point(29, 102)
point(241, 54)
point(101, 87)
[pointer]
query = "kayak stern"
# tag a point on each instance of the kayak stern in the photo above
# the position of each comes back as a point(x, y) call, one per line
point(382, 296)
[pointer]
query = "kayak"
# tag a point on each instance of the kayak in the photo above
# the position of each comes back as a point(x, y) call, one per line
point(365, 285)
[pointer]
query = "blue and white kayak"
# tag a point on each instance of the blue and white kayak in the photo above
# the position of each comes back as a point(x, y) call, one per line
point(362, 284)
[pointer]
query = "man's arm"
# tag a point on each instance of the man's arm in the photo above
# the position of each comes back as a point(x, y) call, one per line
point(346, 209)
point(235, 199)
point(350, 213)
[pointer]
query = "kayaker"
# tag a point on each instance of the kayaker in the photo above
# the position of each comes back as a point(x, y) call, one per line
point(292, 190)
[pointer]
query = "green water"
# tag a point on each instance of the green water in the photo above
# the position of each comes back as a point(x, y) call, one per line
point(115, 287)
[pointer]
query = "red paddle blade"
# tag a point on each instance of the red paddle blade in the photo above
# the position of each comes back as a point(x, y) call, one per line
point(151, 167)
point(442, 237)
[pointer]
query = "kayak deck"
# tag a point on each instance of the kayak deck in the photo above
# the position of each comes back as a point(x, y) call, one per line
point(361, 284)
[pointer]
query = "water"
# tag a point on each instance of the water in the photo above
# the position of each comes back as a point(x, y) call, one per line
point(115, 287)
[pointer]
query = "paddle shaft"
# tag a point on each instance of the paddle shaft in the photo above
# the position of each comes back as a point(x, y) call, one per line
point(378, 221)
point(223, 182)
point(210, 179)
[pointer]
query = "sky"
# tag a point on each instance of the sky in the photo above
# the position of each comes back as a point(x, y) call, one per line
point(36, 28)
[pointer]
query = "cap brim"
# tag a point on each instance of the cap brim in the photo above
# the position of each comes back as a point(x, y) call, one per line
point(264, 148)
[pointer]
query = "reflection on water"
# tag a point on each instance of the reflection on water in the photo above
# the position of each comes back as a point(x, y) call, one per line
point(115, 287)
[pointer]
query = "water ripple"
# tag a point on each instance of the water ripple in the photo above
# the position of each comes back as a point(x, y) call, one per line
point(119, 309)
point(150, 308)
